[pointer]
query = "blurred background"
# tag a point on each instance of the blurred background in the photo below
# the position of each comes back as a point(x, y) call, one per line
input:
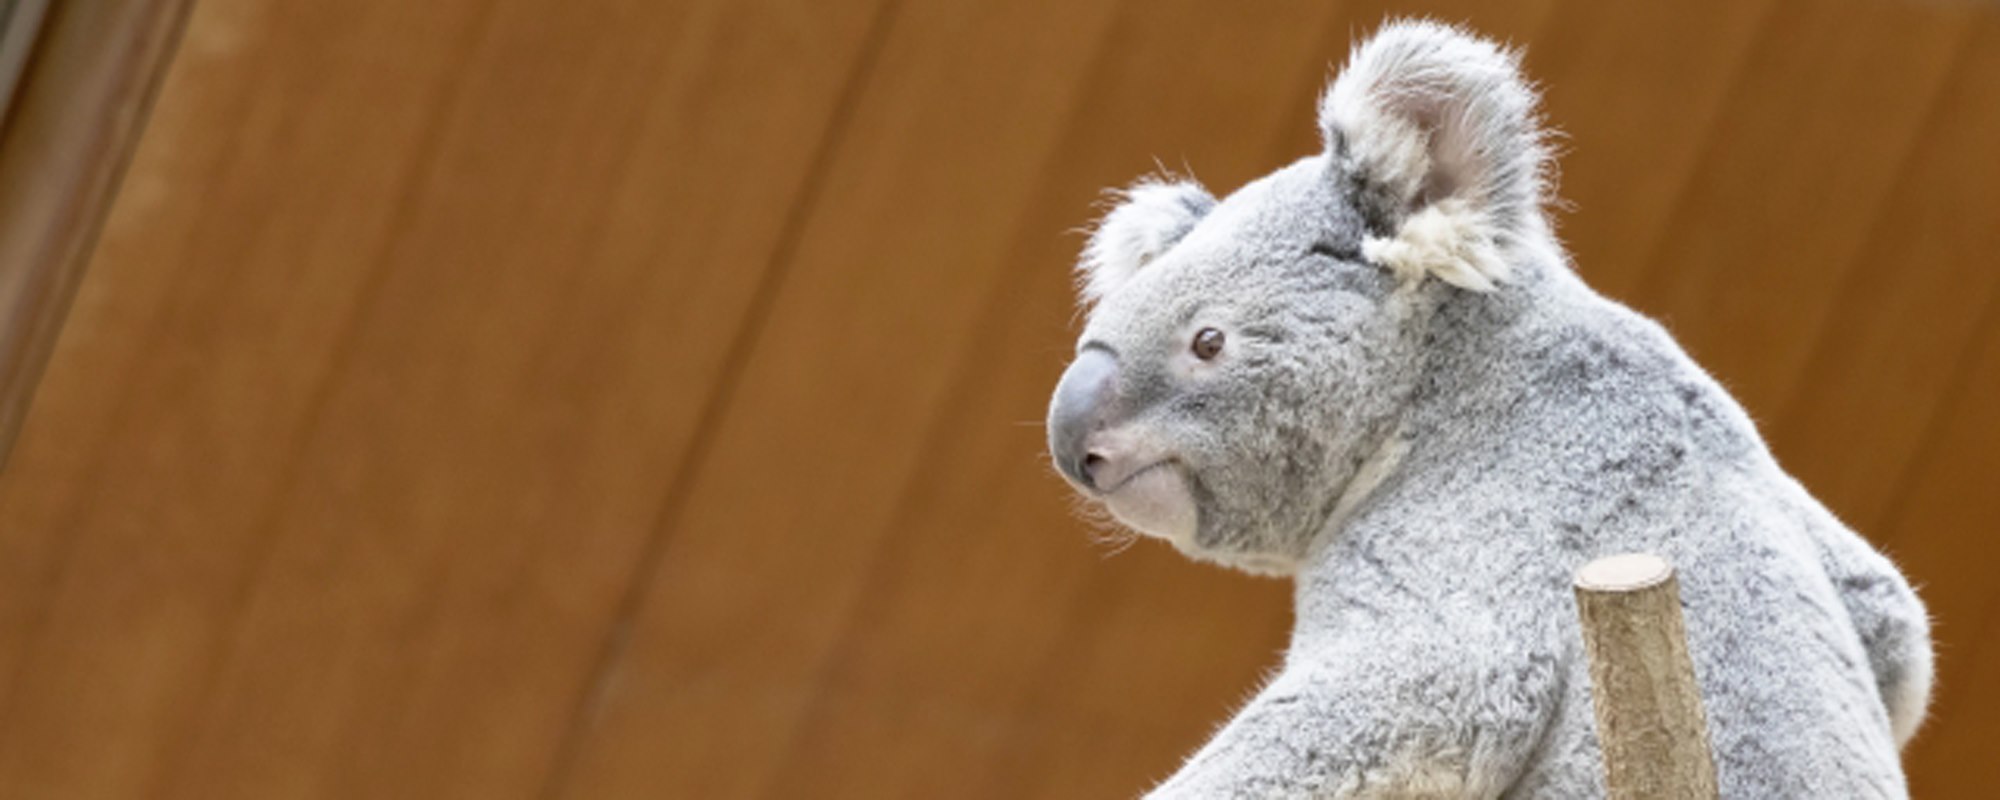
point(521, 399)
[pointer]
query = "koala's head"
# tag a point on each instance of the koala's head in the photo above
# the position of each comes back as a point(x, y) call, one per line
point(1244, 358)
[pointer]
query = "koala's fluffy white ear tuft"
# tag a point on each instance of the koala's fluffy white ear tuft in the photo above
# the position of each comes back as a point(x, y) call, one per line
point(1441, 133)
point(1145, 220)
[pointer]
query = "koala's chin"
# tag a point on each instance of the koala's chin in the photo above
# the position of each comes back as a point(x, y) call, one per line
point(1158, 503)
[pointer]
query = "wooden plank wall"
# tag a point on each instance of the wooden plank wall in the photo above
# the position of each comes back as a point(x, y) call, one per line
point(512, 398)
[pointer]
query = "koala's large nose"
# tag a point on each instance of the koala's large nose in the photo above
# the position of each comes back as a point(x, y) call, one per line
point(1083, 397)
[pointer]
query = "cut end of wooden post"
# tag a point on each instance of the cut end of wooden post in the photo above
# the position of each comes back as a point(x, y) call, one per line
point(1624, 573)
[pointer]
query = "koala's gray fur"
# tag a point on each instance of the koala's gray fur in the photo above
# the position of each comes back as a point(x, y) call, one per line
point(1422, 415)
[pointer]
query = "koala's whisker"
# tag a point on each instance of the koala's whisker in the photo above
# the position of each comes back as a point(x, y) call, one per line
point(1117, 545)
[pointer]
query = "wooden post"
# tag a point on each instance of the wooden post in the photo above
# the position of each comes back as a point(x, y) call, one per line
point(1649, 716)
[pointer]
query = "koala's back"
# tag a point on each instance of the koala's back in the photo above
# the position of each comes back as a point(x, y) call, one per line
point(1810, 677)
point(1811, 650)
point(1801, 668)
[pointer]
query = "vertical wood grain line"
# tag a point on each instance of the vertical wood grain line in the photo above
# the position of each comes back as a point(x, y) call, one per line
point(312, 418)
point(1985, 333)
point(1852, 271)
point(1852, 284)
point(736, 356)
point(1684, 195)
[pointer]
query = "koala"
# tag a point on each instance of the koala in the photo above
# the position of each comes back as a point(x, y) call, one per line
point(1375, 372)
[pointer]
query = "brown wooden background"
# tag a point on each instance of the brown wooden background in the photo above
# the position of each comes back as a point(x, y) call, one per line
point(522, 398)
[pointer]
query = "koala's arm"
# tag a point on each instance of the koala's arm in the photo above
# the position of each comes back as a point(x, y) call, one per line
point(1400, 721)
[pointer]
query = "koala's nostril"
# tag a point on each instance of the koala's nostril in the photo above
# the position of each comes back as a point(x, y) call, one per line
point(1092, 464)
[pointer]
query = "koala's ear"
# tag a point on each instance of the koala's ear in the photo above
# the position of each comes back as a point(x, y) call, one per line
point(1145, 220)
point(1440, 133)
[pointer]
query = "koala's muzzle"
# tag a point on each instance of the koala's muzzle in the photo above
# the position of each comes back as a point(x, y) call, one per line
point(1082, 406)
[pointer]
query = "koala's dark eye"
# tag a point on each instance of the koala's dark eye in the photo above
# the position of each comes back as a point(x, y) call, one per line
point(1336, 252)
point(1207, 344)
